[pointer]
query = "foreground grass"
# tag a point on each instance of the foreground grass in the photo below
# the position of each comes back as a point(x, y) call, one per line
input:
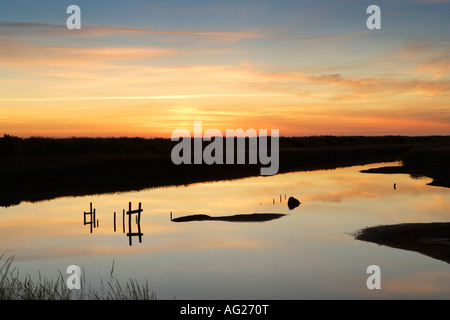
point(14, 288)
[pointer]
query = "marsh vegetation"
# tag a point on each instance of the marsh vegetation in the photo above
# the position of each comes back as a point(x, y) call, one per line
point(14, 286)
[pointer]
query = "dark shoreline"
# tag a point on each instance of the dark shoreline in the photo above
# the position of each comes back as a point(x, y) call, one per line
point(440, 176)
point(429, 161)
point(36, 169)
point(430, 239)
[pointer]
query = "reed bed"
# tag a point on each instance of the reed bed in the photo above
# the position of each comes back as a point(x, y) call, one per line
point(15, 287)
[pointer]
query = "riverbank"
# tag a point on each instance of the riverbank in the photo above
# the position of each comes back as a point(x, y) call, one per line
point(430, 239)
point(432, 162)
point(36, 169)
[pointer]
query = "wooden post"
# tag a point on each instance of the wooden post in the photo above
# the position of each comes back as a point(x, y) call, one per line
point(91, 214)
point(139, 214)
point(123, 221)
point(129, 223)
point(114, 221)
point(87, 213)
point(139, 231)
point(139, 223)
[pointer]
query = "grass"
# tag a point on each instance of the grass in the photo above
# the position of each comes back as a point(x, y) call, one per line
point(13, 287)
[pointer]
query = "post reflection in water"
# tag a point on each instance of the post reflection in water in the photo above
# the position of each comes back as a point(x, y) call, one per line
point(94, 223)
point(130, 234)
point(92, 219)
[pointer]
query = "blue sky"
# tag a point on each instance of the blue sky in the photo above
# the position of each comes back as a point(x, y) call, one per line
point(340, 15)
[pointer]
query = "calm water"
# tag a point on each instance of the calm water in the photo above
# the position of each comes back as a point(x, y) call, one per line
point(307, 254)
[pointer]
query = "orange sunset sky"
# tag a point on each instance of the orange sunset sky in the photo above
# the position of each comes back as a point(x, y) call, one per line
point(146, 68)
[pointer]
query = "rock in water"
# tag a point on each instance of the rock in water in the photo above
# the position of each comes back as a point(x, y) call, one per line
point(293, 203)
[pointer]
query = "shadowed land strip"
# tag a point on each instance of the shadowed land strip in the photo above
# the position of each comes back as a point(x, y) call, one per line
point(430, 239)
point(36, 169)
point(432, 162)
point(252, 217)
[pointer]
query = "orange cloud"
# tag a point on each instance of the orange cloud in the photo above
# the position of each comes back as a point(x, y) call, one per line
point(426, 58)
point(24, 55)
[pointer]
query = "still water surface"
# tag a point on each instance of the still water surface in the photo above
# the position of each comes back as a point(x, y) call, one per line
point(309, 253)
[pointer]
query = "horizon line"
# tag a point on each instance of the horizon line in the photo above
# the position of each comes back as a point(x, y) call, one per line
point(11, 136)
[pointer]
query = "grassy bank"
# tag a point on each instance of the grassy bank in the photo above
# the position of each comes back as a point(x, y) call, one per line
point(430, 161)
point(15, 287)
point(35, 169)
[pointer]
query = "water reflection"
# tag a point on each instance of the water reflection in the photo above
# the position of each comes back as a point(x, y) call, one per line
point(139, 233)
point(307, 253)
point(94, 222)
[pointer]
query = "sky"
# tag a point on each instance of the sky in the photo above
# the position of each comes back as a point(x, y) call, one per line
point(147, 68)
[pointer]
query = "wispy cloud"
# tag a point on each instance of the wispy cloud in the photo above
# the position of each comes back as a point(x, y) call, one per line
point(233, 35)
point(335, 37)
point(26, 54)
point(103, 31)
point(427, 57)
point(368, 85)
point(167, 97)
